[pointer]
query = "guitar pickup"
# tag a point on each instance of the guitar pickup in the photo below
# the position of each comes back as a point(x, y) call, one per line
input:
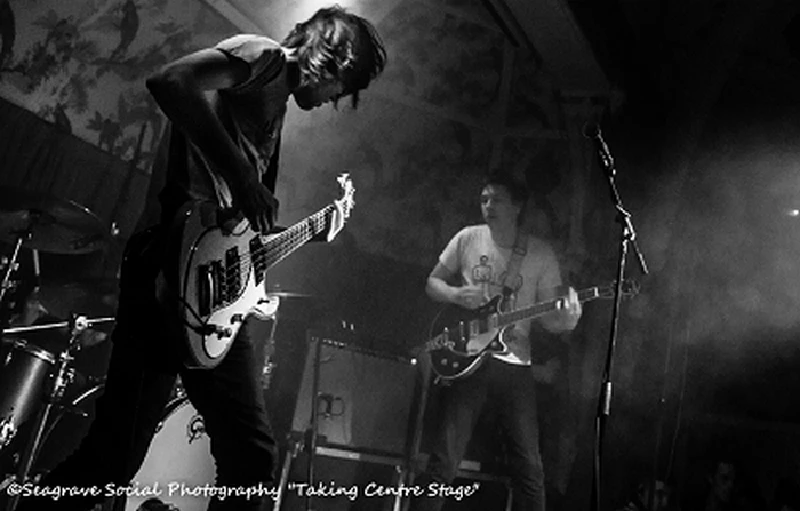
point(232, 278)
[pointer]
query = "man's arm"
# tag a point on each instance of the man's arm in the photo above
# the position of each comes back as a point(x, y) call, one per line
point(180, 90)
point(470, 297)
point(565, 319)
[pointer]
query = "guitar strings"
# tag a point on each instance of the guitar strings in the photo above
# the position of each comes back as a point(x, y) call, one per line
point(272, 253)
point(537, 308)
point(299, 232)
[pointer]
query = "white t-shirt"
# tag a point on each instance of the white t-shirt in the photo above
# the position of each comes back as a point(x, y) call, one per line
point(473, 254)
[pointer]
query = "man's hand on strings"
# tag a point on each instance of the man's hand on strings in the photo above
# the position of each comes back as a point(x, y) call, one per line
point(572, 309)
point(469, 297)
point(258, 205)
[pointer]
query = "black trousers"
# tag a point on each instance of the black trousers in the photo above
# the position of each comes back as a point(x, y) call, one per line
point(142, 373)
point(507, 391)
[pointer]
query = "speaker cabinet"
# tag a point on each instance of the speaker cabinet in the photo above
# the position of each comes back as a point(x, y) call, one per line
point(364, 398)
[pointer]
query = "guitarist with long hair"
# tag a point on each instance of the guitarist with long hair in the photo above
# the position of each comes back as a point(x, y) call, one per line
point(226, 105)
point(496, 258)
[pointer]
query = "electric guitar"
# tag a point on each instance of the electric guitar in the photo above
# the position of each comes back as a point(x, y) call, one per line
point(461, 339)
point(222, 266)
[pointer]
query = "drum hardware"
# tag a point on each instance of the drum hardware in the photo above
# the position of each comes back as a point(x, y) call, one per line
point(6, 482)
point(63, 376)
point(8, 430)
point(81, 320)
point(40, 222)
point(11, 264)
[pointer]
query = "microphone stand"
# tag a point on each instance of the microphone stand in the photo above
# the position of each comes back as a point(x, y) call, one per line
point(627, 239)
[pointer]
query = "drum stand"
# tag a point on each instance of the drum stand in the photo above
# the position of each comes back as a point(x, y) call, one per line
point(8, 429)
point(63, 377)
point(12, 263)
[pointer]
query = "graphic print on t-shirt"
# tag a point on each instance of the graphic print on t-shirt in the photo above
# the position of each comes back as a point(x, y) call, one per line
point(482, 275)
point(491, 282)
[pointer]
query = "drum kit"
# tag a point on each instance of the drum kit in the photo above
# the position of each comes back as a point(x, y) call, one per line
point(34, 380)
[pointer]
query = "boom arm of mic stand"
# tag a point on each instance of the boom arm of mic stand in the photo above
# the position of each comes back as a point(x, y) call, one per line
point(630, 236)
point(607, 162)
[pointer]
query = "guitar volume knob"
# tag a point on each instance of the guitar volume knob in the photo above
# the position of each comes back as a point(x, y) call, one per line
point(224, 332)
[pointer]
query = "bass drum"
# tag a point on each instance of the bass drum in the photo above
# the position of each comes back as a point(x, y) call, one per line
point(179, 462)
point(179, 456)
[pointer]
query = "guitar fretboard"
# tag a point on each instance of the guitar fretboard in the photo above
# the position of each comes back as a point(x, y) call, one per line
point(541, 308)
point(277, 247)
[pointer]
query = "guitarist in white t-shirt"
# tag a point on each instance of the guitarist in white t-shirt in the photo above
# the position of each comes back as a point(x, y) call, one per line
point(480, 257)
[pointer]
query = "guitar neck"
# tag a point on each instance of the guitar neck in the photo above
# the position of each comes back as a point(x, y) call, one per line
point(542, 308)
point(278, 247)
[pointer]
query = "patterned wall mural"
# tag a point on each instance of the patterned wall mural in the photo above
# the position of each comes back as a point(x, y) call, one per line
point(82, 64)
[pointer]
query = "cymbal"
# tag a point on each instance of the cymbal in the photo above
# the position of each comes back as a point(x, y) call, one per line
point(90, 295)
point(55, 225)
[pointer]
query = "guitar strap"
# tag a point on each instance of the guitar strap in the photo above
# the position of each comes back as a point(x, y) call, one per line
point(512, 269)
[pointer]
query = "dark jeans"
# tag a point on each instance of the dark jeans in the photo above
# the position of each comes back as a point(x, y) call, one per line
point(508, 392)
point(140, 380)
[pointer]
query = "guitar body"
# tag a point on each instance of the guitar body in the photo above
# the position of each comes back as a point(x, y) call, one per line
point(217, 282)
point(461, 339)
point(219, 267)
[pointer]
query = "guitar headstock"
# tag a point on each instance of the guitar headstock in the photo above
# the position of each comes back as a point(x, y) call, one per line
point(346, 203)
point(343, 206)
point(630, 287)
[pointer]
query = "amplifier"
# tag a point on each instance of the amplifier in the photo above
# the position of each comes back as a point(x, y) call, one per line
point(364, 397)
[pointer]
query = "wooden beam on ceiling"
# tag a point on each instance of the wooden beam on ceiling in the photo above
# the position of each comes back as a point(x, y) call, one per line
point(230, 12)
point(548, 28)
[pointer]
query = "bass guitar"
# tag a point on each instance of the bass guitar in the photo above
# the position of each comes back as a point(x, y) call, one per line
point(461, 339)
point(222, 266)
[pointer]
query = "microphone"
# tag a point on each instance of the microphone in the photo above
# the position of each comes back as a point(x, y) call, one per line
point(592, 131)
